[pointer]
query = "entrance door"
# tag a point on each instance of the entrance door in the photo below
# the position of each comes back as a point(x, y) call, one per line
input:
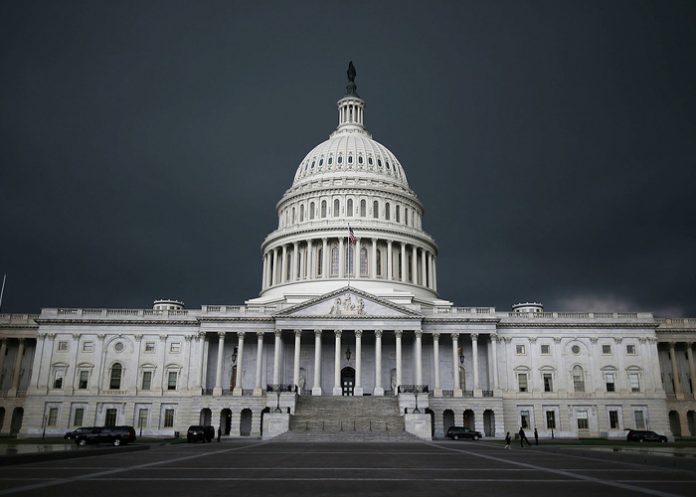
point(347, 381)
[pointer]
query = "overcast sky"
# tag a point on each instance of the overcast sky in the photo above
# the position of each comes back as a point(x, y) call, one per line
point(144, 145)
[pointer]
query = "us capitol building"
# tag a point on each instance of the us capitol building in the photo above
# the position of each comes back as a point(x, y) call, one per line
point(348, 335)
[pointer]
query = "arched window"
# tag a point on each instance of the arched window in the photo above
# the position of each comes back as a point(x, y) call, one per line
point(330, 160)
point(348, 258)
point(350, 159)
point(311, 211)
point(323, 208)
point(363, 262)
point(115, 376)
point(337, 208)
point(340, 159)
point(320, 261)
point(398, 214)
point(406, 215)
point(321, 162)
point(578, 379)
point(386, 211)
point(369, 160)
point(313, 162)
point(379, 262)
point(334, 261)
point(379, 162)
point(363, 208)
point(375, 209)
point(349, 207)
point(360, 159)
point(301, 212)
point(293, 215)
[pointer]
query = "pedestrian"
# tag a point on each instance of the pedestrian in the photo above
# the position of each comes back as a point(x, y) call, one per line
point(219, 433)
point(536, 436)
point(508, 439)
point(523, 438)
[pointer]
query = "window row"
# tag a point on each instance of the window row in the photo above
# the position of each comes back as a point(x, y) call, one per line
point(88, 346)
point(349, 160)
point(545, 349)
point(350, 207)
point(582, 418)
point(115, 377)
point(111, 417)
point(577, 376)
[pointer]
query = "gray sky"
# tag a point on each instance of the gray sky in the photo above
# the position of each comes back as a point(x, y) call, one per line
point(144, 145)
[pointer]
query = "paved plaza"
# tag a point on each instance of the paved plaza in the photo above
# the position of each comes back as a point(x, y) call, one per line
point(251, 468)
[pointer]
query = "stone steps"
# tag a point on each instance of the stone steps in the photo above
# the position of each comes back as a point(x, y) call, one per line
point(344, 415)
point(345, 437)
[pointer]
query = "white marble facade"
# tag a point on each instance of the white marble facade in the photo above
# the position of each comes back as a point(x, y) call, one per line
point(330, 307)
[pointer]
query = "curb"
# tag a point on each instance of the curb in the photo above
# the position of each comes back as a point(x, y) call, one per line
point(617, 455)
point(67, 454)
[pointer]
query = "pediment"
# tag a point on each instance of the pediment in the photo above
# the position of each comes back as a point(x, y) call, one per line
point(349, 303)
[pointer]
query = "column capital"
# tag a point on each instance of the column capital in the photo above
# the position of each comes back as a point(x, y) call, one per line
point(138, 338)
point(201, 334)
point(378, 333)
point(297, 333)
point(618, 340)
point(259, 334)
point(240, 335)
point(337, 333)
point(436, 335)
point(474, 337)
point(555, 339)
point(455, 336)
point(52, 336)
point(100, 337)
point(493, 337)
point(398, 333)
point(220, 334)
point(186, 337)
point(419, 333)
point(317, 333)
point(76, 336)
point(294, 244)
point(277, 333)
point(358, 333)
point(594, 339)
point(532, 339)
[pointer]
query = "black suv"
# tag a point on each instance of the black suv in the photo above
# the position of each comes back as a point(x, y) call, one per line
point(115, 435)
point(645, 436)
point(198, 433)
point(457, 432)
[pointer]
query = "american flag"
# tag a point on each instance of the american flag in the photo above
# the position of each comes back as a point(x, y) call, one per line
point(351, 236)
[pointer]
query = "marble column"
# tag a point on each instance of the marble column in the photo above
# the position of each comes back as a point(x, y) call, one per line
point(379, 390)
point(403, 262)
point(424, 270)
point(390, 261)
point(296, 362)
point(217, 390)
point(436, 362)
point(274, 270)
point(430, 270)
point(337, 363)
point(309, 262)
point(276, 358)
point(358, 363)
point(374, 258)
point(324, 260)
point(678, 392)
point(692, 369)
point(414, 264)
point(259, 360)
point(341, 259)
point(398, 334)
point(457, 389)
point(295, 261)
point(475, 364)
point(494, 353)
point(264, 272)
point(240, 364)
point(17, 369)
point(3, 351)
point(284, 265)
point(316, 388)
point(419, 358)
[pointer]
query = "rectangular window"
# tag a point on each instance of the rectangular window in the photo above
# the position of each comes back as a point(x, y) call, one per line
point(578, 381)
point(58, 382)
point(175, 347)
point(110, 418)
point(78, 416)
point(548, 382)
point(522, 380)
point(149, 346)
point(171, 380)
point(142, 418)
point(551, 420)
point(606, 349)
point(168, 418)
point(545, 349)
point(52, 416)
point(631, 349)
point(519, 349)
point(147, 380)
point(640, 420)
point(62, 346)
point(609, 377)
point(614, 420)
point(634, 381)
point(88, 347)
point(524, 419)
point(582, 420)
point(84, 379)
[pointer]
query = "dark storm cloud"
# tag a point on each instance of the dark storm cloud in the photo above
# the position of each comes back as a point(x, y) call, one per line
point(145, 144)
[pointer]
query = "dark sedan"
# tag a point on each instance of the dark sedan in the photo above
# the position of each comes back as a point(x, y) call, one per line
point(645, 436)
point(462, 432)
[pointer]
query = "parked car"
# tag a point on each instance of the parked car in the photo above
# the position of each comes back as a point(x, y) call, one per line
point(115, 435)
point(457, 432)
point(71, 435)
point(645, 436)
point(198, 433)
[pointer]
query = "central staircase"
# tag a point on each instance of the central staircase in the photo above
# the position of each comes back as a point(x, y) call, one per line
point(347, 419)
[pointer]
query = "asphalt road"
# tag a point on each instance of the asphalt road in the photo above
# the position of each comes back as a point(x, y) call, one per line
point(253, 468)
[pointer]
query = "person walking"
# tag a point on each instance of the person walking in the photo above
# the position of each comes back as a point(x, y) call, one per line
point(536, 436)
point(508, 439)
point(523, 438)
point(219, 433)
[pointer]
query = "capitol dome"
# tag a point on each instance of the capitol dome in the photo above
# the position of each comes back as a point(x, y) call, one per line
point(349, 180)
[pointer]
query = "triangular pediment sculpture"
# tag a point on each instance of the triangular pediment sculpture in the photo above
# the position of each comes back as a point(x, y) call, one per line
point(351, 303)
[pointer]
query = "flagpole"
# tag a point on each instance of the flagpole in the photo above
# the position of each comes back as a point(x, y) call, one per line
point(2, 290)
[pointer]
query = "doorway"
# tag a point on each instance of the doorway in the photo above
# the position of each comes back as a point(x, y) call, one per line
point(347, 381)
